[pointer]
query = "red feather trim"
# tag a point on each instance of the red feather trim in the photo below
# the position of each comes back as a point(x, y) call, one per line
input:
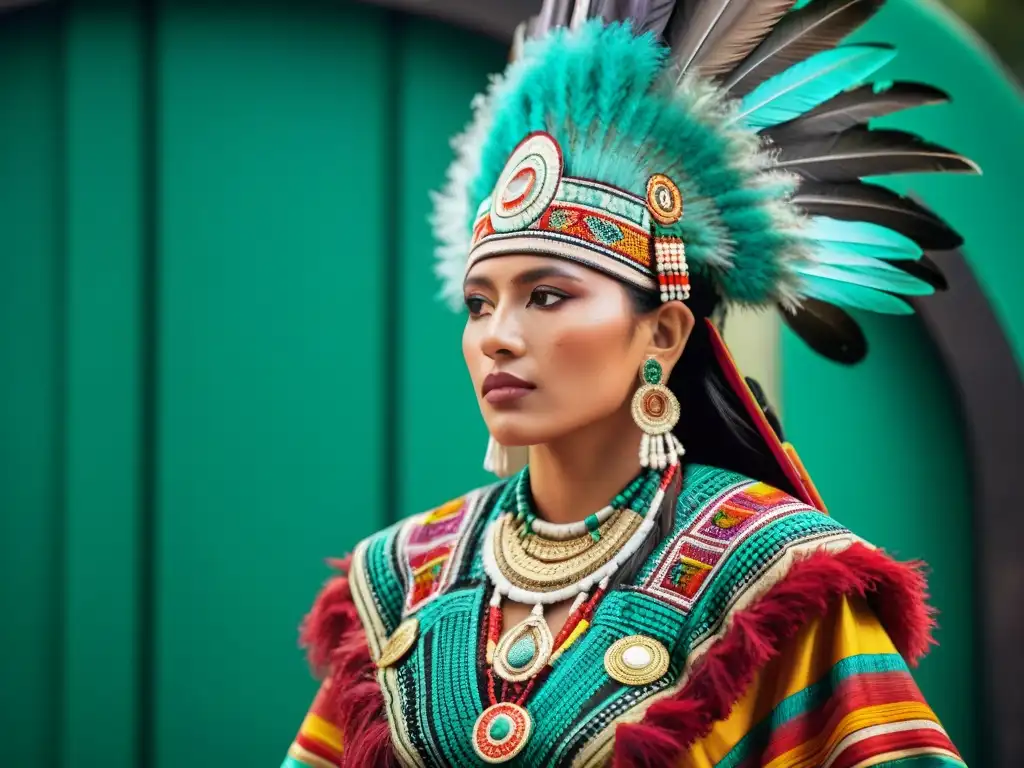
point(336, 644)
point(756, 636)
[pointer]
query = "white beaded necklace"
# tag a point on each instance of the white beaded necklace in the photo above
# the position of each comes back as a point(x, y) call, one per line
point(602, 576)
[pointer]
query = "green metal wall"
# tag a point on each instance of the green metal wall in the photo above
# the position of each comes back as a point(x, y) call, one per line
point(222, 358)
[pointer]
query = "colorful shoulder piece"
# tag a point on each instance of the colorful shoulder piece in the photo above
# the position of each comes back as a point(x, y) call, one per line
point(749, 571)
point(387, 578)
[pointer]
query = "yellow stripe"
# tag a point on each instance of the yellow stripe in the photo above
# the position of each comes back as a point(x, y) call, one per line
point(578, 630)
point(814, 752)
point(315, 727)
point(306, 757)
point(848, 629)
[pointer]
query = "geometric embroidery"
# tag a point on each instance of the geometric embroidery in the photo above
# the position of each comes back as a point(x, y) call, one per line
point(594, 227)
point(428, 551)
point(606, 232)
point(692, 558)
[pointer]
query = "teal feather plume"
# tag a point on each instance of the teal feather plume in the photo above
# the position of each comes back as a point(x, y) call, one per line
point(804, 86)
point(854, 296)
point(879, 276)
point(862, 237)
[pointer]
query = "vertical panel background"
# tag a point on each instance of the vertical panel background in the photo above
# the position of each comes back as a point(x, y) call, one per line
point(31, 385)
point(442, 436)
point(104, 341)
point(270, 365)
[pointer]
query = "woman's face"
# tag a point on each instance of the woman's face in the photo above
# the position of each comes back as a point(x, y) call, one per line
point(551, 346)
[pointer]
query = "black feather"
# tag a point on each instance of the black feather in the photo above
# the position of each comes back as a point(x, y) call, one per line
point(859, 152)
point(856, 201)
point(712, 36)
point(818, 26)
point(655, 18)
point(828, 330)
point(924, 269)
point(856, 107)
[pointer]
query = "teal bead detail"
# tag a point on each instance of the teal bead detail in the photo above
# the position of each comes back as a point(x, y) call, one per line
point(652, 371)
point(594, 527)
point(500, 728)
point(522, 652)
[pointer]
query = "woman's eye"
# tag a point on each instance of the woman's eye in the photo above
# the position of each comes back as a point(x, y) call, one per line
point(545, 298)
point(475, 305)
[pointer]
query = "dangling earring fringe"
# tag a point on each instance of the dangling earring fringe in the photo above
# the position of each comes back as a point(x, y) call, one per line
point(505, 461)
point(656, 412)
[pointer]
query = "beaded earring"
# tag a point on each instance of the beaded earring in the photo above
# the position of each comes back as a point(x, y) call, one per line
point(656, 411)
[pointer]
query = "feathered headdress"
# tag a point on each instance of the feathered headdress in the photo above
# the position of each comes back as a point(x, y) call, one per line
point(727, 137)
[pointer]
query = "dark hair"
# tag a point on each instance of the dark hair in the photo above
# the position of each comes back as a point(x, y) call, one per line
point(713, 426)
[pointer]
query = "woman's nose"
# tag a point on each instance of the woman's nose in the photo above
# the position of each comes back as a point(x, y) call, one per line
point(503, 337)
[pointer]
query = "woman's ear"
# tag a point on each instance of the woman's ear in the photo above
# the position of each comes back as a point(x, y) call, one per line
point(673, 322)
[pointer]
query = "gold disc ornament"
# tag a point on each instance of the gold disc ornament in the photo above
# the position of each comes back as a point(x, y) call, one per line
point(399, 644)
point(664, 200)
point(636, 660)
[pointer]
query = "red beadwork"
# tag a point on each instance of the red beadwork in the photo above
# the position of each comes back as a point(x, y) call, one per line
point(498, 751)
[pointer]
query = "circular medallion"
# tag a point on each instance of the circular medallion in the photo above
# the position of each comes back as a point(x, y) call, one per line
point(501, 732)
point(399, 643)
point(655, 409)
point(636, 660)
point(524, 650)
point(664, 200)
point(528, 183)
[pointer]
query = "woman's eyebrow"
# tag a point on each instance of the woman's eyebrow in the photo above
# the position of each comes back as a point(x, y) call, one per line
point(533, 275)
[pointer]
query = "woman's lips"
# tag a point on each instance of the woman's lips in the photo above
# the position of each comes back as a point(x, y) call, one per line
point(500, 388)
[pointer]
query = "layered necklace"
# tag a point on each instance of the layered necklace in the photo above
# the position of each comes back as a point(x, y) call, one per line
point(534, 562)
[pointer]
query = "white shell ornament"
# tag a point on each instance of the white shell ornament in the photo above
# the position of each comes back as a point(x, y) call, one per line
point(528, 183)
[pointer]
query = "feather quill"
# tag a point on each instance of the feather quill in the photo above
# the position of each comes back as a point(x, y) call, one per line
point(804, 86)
point(828, 330)
point(816, 27)
point(580, 14)
point(854, 108)
point(857, 201)
point(860, 152)
point(712, 36)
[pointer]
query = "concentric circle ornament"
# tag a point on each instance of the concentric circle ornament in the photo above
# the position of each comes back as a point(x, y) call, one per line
point(399, 644)
point(501, 732)
point(664, 199)
point(528, 184)
point(655, 409)
point(636, 660)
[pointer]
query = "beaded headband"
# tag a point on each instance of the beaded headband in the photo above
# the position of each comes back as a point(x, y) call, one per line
point(536, 209)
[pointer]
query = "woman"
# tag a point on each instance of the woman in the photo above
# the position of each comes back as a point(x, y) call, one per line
point(661, 585)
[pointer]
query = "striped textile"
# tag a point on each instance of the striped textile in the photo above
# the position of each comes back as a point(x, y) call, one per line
point(318, 743)
point(839, 696)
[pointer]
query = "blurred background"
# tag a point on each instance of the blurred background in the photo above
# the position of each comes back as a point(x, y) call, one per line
point(224, 361)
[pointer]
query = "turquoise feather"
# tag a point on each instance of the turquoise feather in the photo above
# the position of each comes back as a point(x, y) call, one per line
point(882, 278)
point(862, 237)
point(804, 86)
point(854, 296)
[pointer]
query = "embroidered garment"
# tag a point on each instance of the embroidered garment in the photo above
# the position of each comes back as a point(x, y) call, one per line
point(787, 638)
